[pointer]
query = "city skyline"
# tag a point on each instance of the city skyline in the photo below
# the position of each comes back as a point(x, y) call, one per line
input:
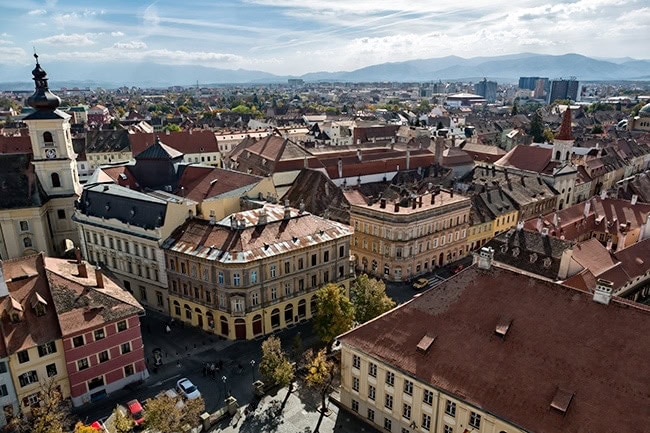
point(277, 36)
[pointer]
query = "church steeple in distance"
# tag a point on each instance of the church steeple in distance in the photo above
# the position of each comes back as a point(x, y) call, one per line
point(42, 98)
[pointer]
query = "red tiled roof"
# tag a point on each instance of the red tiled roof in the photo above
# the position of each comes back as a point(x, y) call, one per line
point(531, 158)
point(20, 144)
point(559, 338)
point(592, 255)
point(565, 128)
point(196, 142)
point(200, 183)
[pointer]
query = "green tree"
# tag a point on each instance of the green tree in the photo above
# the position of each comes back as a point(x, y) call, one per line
point(515, 109)
point(548, 135)
point(334, 313)
point(183, 109)
point(597, 129)
point(369, 298)
point(49, 416)
point(172, 127)
point(320, 374)
point(83, 428)
point(275, 365)
point(537, 127)
point(121, 421)
point(165, 414)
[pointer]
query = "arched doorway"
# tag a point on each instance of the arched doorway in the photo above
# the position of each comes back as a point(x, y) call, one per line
point(364, 264)
point(257, 325)
point(199, 317)
point(240, 329)
point(275, 318)
point(302, 309)
point(288, 314)
point(312, 306)
point(224, 326)
point(441, 259)
point(210, 318)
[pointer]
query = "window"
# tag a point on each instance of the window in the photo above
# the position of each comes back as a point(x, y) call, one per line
point(3, 367)
point(27, 242)
point(28, 378)
point(450, 408)
point(103, 356)
point(475, 420)
point(406, 411)
point(313, 260)
point(426, 422)
point(372, 369)
point(78, 341)
point(372, 391)
point(274, 293)
point(51, 370)
point(390, 378)
point(47, 138)
point(236, 279)
point(46, 349)
point(301, 264)
point(125, 348)
point(287, 268)
point(408, 387)
point(287, 289)
point(273, 271)
point(121, 326)
point(356, 361)
point(388, 401)
point(60, 213)
point(56, 180)
point(82, 364)
point(388, 424)
point(100, 334)
point(253, 277)
point(355, 384)
point(255, 298)
point(341, 251)
point(448, 429)
point(23, 356)
point(371, 414)
point(96, 383)
point(143, 292)
point(3, 391)
point(24, 226)
point(32, 399)
point(326, 256)
point(355, 405)
point(428, 397)
point(129, 370)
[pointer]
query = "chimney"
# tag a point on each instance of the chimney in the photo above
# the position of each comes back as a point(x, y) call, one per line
point(359, 157)
point(603, 291)
point(420, 201)
point(190, 131)
point(99, 277)
point(451, 192)
point(587, 208)
point(634, 199)
point(261, 217)
point(302, 206)
point(287, 210)
point(433, 198)
point(396, 206)
point(77, 254)
point(414, 203)
point(540, 223)
point(520, 225)
point(556, 219)
point(484, 258)
point(382, 203)
point(603, 194)
point(81, 270)
point(408, 159)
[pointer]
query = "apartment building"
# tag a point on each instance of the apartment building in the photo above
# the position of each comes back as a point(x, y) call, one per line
point(400, 238)
point(254, 272)
point(496, 351)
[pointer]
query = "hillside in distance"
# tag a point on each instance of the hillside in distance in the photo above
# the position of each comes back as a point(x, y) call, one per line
point(501, 68)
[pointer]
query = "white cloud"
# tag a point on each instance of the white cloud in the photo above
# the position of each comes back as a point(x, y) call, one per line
point(73, 39)
point(164, 56)
point(37, 12)
point(133, 45)
point(117, 34)
point(12, 56)
point(5, 42)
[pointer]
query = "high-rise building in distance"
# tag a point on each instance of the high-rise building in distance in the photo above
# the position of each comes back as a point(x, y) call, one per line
point(564, 89)
point(487, 89)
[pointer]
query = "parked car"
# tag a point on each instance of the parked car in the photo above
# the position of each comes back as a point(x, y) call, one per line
point(420, 283)
point(187, 389)
point(136, 411)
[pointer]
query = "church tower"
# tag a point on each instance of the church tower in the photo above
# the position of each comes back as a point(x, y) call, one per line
point(49, 131)
point(54, 163)
point(563, 143)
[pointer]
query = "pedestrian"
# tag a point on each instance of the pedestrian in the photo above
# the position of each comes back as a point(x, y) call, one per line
point(168, 329)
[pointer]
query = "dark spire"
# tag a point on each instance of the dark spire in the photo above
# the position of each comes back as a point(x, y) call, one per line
point(565, 129)
point(42, 99)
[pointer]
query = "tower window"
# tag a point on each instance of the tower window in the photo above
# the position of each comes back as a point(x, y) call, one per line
point(47, 139)
point(56, 181)
point(27, 242)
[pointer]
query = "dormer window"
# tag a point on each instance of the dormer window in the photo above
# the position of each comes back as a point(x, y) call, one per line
point(47, 139)
point(15, 310)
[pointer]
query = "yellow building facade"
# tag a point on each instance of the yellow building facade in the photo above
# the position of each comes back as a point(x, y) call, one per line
point(402, 239)
point(254, 272)
point(37, 365)
point(395, 402)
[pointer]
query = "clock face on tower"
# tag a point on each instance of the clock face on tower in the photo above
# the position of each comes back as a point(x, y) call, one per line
point(50, 153)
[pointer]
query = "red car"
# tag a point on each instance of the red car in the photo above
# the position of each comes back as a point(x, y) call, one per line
point(136, 411)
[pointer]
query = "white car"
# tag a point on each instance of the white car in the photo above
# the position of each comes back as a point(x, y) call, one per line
point(187, 389)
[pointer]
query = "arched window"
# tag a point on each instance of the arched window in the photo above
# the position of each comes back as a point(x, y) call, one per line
point(558, 155)
point(47, 139)
point(56, 181)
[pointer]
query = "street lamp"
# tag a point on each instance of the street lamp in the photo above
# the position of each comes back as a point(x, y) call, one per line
point(253, 368)
point(224, 379)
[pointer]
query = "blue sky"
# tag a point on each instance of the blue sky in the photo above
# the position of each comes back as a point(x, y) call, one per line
point(299, 36)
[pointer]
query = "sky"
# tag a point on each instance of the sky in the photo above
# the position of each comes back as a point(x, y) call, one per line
point(293, 37)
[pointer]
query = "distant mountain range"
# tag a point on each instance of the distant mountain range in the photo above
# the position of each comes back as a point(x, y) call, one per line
point(501, 68)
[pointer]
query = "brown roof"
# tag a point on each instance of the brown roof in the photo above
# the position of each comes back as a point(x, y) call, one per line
point(565, 128)
point(19, 144)
point(185, 142)
point(26, 277)
point(200, 182)
point(531, 158)
point(592, 255)
point(559, 338)
point(80, 304)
